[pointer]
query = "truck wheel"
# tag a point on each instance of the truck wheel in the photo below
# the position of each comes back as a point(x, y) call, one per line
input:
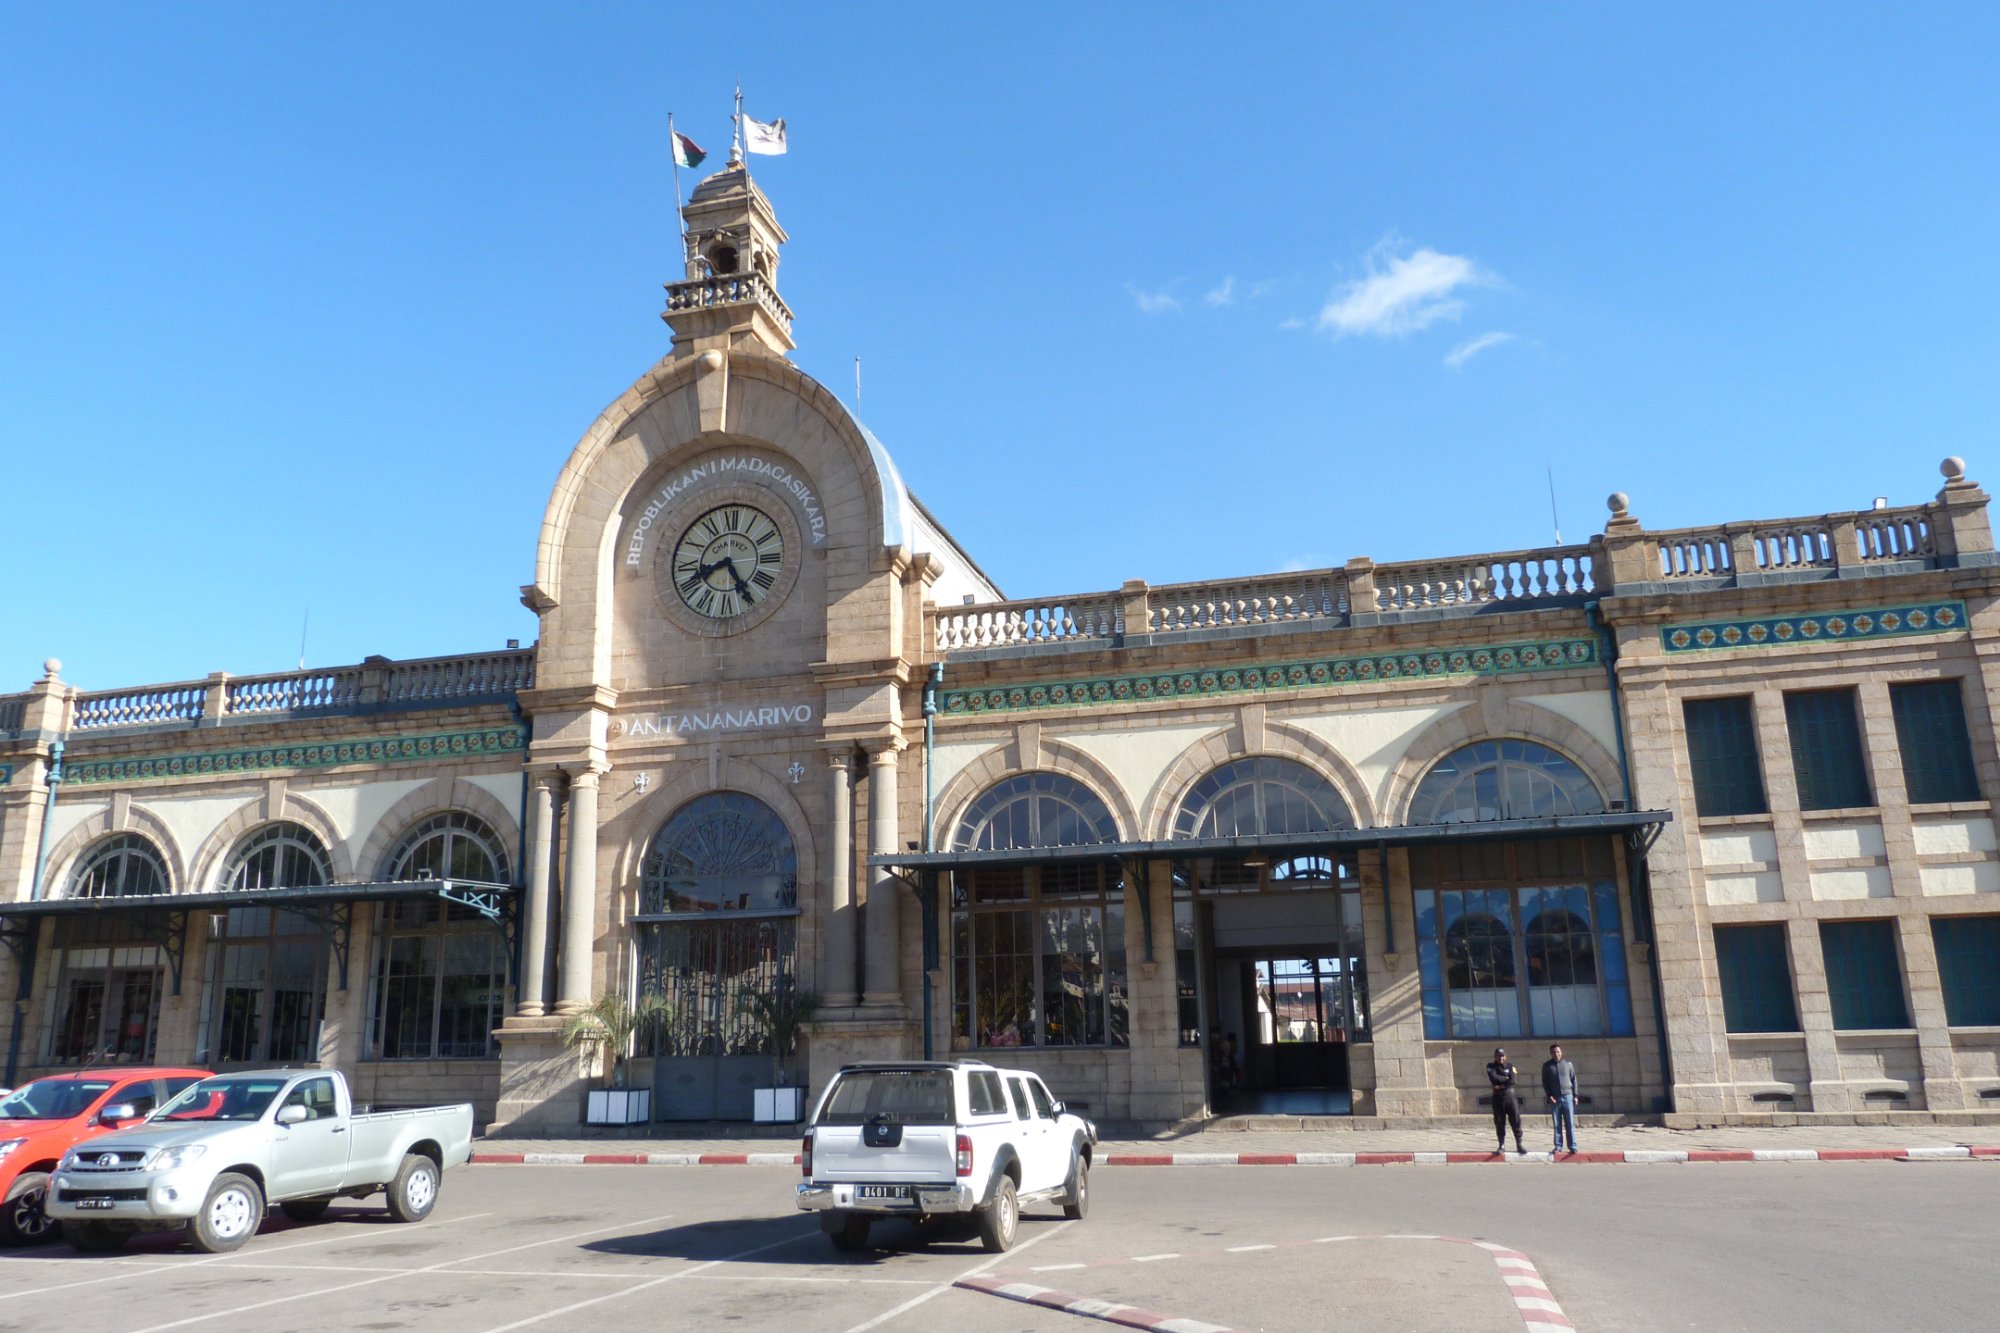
point(23, 1219)
point(1076, 1202)
point(305, 1210)
point(848, 1231)
point(998, 1219)
point(414, 1191)
point(95, 1237)
point(229, 1216)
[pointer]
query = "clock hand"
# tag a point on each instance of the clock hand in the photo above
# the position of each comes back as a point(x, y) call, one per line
point(742, 588)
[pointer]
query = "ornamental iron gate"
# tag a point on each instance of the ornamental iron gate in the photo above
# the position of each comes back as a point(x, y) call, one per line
point(710, 1054)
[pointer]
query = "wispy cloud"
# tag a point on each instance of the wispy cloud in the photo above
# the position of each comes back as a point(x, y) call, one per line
point(1464, 352)
point(1291, 322)
point(1400, 293)
point(1153, 303)
point(1222, 295)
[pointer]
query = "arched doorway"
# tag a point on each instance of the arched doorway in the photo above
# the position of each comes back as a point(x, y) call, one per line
point(717, 924)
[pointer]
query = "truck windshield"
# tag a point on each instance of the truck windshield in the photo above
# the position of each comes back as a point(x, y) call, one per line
point(223, 1098)
point(52, 1099)
point(897, 1096)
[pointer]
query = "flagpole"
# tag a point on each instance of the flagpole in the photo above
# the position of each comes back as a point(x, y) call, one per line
point(736, 129)
point(674, 155)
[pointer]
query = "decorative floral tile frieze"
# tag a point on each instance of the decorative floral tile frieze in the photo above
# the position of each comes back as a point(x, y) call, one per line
point(1889, 622)
point(318, 754)
point(1263, 678)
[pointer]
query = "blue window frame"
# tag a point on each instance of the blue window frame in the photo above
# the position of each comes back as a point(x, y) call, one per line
point(1510, 962)
point(1826, 750)
point(1936, 748)
point(1864, 980)
point(1968, 954)
point(1503, 779)
point(1722, 752)
point(1756, 972)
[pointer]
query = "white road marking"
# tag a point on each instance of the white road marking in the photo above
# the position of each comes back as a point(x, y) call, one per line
point(400, 1273)
point(178, 1266)
point(1055, 1268)
point(1246, 1249)
point(632, 1291)
point(1152, 1258)
point(943, 1287)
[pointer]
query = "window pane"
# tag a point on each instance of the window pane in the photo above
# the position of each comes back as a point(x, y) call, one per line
point(1968, 953)
point(1863, 978)
point(1756, 975)
point(1936, 749)
point(1722, 753)
point(1826, 750)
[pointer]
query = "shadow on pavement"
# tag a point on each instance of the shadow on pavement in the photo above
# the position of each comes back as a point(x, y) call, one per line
point(702, 1241)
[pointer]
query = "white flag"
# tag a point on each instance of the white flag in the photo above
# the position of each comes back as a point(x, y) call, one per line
point(761, 138)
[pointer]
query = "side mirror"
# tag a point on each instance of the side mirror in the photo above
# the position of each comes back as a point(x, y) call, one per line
point(116, 1112)
point(292, 1115)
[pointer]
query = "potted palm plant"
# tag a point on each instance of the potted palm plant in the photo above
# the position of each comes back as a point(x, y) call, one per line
point(782, 1015)
point(610, 1023)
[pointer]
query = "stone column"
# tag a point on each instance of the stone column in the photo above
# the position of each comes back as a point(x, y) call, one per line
point(532, 994)
point(883, 984)
point(579, 918)
point(837, 951)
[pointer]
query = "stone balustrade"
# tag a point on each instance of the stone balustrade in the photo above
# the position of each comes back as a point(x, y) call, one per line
point(729, 289)
point(1043, 620)
point(1552, 573)
point(1265, 600)
point(1795, 547)
point(376, 683)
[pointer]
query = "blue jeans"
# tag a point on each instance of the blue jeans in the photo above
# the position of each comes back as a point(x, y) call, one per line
point(1563, 1112)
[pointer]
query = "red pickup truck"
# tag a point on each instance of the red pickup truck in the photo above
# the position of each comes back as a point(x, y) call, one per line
point(42, 1120)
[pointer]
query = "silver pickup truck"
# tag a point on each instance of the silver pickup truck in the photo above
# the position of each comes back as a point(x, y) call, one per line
point(216, 1157)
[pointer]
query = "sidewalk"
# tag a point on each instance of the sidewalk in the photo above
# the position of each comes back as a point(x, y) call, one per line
point(1629, 1144)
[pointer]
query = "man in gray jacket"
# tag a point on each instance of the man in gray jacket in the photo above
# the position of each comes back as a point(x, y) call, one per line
point(1559, 1082)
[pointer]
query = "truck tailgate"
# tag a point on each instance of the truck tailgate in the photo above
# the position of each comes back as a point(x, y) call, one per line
point(925, 1153)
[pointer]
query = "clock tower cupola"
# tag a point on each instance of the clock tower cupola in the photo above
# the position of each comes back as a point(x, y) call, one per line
point(729, 299)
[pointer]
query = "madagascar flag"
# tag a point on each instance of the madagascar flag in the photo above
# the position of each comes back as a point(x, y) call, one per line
point(687, 153)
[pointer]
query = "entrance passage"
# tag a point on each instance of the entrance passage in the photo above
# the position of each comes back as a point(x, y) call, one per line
point(711, 1052)
point(1305, 1015)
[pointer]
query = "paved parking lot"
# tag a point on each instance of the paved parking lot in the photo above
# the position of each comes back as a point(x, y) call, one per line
point(1712, 1247)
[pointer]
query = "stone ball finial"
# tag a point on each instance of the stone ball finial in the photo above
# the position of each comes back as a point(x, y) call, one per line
point(1953, 468)
point(1620, 504)
point(52, 667)
point(709, 361)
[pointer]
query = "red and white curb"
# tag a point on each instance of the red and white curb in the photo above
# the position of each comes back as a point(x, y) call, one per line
point(1633, 1157)
point(1539, 1310)
point(1127, 1316)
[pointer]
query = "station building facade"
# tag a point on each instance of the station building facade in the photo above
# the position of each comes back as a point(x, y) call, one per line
point(1710, 807)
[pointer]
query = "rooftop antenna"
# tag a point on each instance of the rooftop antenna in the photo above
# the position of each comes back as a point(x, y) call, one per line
point(303, 623)
point(1554, 518)
point(857, 384)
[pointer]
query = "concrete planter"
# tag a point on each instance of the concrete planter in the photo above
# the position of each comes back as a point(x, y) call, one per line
point(779, 1106)
point(618, 1106)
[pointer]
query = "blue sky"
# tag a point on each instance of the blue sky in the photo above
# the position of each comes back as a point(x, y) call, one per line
point(303, 306)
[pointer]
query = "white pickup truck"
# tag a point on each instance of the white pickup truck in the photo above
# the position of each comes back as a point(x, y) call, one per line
point(925, 1139)
point(216, 1157)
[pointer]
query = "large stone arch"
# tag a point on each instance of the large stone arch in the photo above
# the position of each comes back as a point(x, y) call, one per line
point(75, 844)
point(436, 798)
point(1272, 737)
point(628, 858)
point(1009, 760)
point(679, 408)
point(204, 876)
point(1512, 720)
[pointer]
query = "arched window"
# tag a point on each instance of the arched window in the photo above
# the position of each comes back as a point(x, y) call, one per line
point(1035, 810)
point(1261, 794)
point(123, 865)
point(438, 965)
point(278, 856)
point(721, 852)
point(451, 845)
point(1038, 951)
point(1503, 779)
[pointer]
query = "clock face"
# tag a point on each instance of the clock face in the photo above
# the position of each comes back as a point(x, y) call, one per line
point(728, 561)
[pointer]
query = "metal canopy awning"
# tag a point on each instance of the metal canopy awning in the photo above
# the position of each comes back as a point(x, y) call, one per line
point(1298, 844)
point(163, 917)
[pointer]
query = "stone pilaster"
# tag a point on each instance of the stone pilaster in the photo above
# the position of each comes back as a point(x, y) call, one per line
point(579, 917)
point(531, 997)
point(837, 951)
point(883, 985)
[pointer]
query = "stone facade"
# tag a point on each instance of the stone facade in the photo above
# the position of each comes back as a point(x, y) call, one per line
point(807, 700)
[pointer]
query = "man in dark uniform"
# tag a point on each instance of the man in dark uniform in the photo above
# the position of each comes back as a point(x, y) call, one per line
point(1500, 1072)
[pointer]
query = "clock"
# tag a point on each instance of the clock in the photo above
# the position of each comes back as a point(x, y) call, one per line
point(728, 561)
